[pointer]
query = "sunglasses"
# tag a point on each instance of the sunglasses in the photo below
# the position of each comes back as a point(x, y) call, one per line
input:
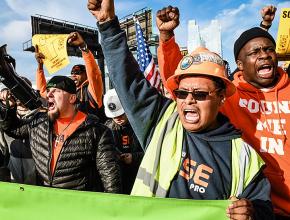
point(197, 95)
point(76, 72)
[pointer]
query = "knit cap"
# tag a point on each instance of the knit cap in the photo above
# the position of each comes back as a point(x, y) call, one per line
point(248, 35)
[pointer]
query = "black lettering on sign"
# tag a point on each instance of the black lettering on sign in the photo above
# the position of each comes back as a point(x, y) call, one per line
point(286, 14)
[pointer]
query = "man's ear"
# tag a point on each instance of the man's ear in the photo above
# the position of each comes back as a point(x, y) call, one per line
point(240, 65)
point(72, 98)
point(222, 98)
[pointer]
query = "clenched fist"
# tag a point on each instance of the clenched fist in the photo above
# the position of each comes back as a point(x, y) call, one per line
point(167, 19)
point(75, 39)
point(268, 14)
point(102, 10)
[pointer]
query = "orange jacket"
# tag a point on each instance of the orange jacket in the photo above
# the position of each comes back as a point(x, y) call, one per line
point(168, 61)
point(262, 115)
point(93, 74)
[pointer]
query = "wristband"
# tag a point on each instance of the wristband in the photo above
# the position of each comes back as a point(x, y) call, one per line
point(265, 26)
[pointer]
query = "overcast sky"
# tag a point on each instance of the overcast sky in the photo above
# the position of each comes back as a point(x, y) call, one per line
point(235, 16)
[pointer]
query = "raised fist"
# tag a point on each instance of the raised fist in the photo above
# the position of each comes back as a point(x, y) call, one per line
point(268, 14)
point(167, 19)
point(75, 39)
point(102, 10)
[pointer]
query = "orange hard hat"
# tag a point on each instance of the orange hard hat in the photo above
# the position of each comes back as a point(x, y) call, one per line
point(201, 62)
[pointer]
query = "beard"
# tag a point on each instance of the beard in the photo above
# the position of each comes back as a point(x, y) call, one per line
point(53, 115)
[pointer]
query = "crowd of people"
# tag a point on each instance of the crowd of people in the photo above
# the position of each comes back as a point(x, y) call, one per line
point(211, 138)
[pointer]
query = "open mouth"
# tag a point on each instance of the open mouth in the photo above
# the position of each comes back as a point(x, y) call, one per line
point(50, 105)
point(191, 115)
point(74, 79)
point(265, 71)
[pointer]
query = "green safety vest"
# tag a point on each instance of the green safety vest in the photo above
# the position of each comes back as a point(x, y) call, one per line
point(162, 159)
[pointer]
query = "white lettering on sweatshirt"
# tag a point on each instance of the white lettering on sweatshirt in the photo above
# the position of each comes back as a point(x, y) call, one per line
point(272, 125)
point(276, 127)
point(272, 145)
point(265, 107)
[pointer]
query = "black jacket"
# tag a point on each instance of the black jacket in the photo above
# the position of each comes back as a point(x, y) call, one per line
point(128, 171)
point(135, 147)
point(85, 98)
point(87, 160)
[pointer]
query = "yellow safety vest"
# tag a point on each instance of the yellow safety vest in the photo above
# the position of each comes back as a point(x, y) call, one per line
point(162, 159)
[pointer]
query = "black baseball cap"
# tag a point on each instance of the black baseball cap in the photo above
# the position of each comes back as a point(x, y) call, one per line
point(62, 82)
point(78, 69)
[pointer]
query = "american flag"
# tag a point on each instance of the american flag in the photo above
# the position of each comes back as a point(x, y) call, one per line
point(145, 58)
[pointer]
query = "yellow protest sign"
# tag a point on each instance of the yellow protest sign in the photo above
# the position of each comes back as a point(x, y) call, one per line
point(283, 36)
point(53, 47)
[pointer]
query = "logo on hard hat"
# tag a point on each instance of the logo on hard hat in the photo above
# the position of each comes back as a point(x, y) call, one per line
point(112, 106)
point(186, 62)
point(200, 58)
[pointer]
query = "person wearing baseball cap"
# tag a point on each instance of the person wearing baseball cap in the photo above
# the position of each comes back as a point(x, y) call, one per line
point(66, 143)
point(127, 145)
point(87, 77)
point(61, 97)
point(113, 107)
point(191, 150)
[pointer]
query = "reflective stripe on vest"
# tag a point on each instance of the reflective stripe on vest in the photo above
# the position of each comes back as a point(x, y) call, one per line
point(162, 157)
point(246, 164)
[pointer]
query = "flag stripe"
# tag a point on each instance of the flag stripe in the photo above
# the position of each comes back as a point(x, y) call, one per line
point(145, 58)
point(149, 69)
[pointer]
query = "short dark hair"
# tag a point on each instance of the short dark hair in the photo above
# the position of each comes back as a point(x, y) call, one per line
point(219, 83)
